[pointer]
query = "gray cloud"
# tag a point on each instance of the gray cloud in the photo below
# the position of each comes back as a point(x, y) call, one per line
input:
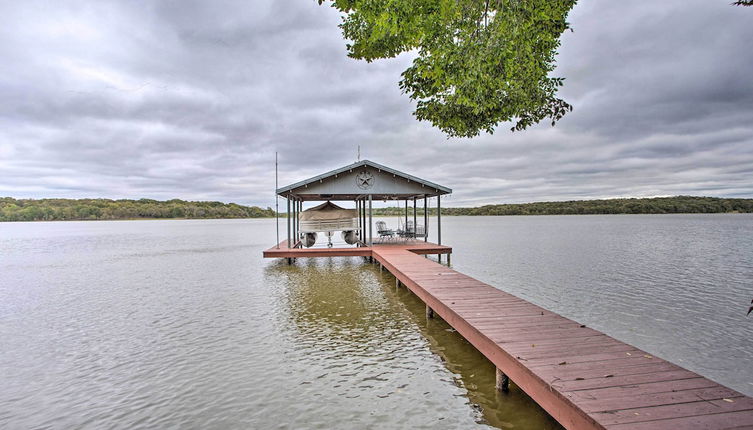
point(191, 99)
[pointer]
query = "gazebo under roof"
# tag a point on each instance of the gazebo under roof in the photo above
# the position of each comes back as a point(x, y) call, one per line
point(362, 182)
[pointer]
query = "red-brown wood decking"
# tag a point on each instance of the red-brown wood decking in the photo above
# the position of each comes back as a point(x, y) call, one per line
point(582, 377)
point(418, 247)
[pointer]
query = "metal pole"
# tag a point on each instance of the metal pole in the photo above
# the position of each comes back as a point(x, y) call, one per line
point(277, 206)
point(288, 217)
point(439, 222)
point(362, 232)
point(298, 219)
point(415, 226)
point(292, 213)
point(406, 216)
point(358, 223)
point(426, 220)
point(371, 224)
point(363, 222)
point(365, 229)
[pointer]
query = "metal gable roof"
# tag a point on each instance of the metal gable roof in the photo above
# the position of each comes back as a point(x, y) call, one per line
point(440, 188)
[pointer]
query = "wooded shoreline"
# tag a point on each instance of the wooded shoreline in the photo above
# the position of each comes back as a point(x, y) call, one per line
point(105, 209)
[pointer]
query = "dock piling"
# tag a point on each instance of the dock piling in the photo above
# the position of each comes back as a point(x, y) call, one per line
point(429, 312)
point(502, 383)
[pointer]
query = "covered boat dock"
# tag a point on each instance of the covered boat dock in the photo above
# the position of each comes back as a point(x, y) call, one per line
point(362, 183)
point(582, 377)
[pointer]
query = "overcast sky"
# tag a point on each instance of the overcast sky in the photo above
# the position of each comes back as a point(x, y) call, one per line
point(188, 99)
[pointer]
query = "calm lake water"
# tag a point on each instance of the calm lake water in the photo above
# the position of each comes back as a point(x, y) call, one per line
point(167, 324)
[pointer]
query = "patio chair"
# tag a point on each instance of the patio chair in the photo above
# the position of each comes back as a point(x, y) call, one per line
point(412, 231)
point(420, 232)
point(407, 231)
point(383, 231)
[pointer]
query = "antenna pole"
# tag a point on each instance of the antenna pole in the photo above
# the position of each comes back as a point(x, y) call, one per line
point(359, 152)
point(277, 205)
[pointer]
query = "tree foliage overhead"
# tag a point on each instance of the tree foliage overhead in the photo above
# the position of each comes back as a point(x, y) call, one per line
point(478, 63)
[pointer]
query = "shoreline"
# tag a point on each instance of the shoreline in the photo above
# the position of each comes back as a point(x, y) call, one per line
point(388, 216)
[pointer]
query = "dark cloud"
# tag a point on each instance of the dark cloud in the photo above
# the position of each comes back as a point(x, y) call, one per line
point(191, 99)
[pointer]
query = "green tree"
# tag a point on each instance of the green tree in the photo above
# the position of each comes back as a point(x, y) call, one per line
point(478, 62)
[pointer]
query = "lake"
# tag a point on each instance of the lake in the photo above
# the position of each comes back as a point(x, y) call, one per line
point(181, 323)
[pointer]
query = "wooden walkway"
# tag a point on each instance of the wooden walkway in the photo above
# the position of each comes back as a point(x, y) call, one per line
point(418, 247)
point(582, 377)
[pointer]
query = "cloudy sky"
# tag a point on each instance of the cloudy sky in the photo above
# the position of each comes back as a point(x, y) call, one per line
point(191, 99)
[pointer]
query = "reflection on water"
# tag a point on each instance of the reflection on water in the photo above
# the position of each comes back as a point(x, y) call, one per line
point(374, 342)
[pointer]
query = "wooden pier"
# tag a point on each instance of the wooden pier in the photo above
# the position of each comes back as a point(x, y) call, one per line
point(582, 377)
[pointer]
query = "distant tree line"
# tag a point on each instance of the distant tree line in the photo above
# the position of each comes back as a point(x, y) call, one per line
point(657, 205)
point(105, 209)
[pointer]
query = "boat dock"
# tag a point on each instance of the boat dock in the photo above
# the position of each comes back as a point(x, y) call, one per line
point(580, 376)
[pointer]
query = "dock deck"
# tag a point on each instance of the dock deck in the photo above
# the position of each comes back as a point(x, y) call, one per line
point(582, 377)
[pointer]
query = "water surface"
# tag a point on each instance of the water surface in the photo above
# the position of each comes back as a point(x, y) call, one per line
point(182, 324)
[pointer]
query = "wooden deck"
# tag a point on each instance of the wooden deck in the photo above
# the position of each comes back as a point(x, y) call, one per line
point(417, 247)
point(582, 377)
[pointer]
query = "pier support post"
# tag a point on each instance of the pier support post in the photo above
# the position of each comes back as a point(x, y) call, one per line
point(448, 258)
point(371, 225)
point(288, 219)
point(293, 213)
point(503, 382)
point(429, 312)
point(397, 282)
point(415, 221)
point(426, 220)
point(439, 222)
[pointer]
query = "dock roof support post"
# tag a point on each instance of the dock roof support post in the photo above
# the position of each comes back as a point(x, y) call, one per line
point(426, 220)
point(358, 224)
point(298, 219)
point(415, 226)
point(288, 218)
point(439, 222)
point(362, 214)
point(371, 225)
point(406, 216)
point(295, 209)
